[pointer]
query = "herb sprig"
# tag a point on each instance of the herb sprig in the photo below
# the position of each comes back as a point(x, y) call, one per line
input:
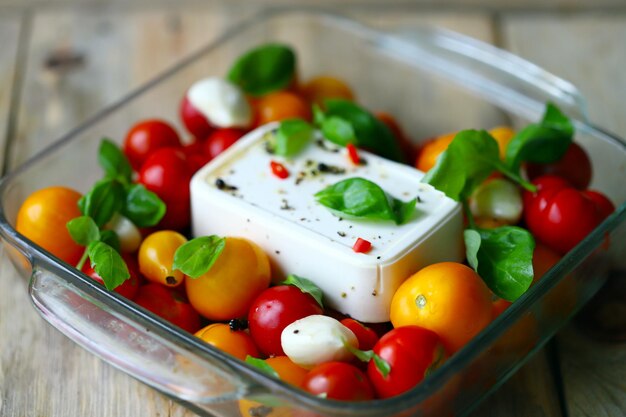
point(114, 194)
point(501, 256)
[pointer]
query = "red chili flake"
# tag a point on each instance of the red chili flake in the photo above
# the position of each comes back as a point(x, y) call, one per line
point(362, 246)
point(279, 170)
point(353, 154)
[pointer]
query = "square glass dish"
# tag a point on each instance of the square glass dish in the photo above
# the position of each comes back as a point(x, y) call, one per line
point(422, 77)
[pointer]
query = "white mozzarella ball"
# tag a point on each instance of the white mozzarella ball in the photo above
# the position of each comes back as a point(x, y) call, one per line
point(128, 233)
point(223, 103)
point(498, 199)
point(316, 339)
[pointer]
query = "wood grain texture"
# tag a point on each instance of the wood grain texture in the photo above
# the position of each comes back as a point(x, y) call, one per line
point(593, 373)
point(104, 52)
point(530, 392)
point(9, 34)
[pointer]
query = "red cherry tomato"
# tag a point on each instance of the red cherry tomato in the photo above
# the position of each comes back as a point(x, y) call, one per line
point(194, 153)
point(169, 305)
point(194, 121)
point(220, 140)
point(412, 352)
point(574, 166)
point(560, 215)
point(146, 137)
point(339, 381)
point(367, 337)
point(130, 287)
point(167, 173)
point(273, 310)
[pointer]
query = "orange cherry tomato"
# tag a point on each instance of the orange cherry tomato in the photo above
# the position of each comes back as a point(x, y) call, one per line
point(288, 372)
point(238, 276)
point(234, 342)
point(430, 151)
point(318, 89)
point(43, 216)
point(280, 105)
point(448, 298)
point(156, 257)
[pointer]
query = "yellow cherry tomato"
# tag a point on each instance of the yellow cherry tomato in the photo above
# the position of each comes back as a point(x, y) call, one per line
point(43, 217)
point(234, 342)
point(321, 88)
point(448, 298)
point(502, 135)
point(227, 290)
point(156, 257)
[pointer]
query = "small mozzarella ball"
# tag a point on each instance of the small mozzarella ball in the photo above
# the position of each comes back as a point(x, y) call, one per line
point(223, 103)
point(316, 339)
point(499, 200)
point(128, 233)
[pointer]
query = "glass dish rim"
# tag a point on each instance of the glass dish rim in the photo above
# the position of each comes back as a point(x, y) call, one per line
point(37, 256)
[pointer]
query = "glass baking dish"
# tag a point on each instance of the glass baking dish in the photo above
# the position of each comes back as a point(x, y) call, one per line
point(422, 76)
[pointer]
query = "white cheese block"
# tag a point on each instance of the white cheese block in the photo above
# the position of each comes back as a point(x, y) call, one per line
point(303, 237)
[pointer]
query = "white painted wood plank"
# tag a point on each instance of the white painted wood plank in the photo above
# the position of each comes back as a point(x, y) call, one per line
point(9, 33)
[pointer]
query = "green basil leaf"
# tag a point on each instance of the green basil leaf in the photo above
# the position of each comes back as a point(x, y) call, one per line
point(114, 162)
point(83, 230)
point(361, 198)
point(470, 158)
point(197, 256)
point(367, 355)
point(291, 137)
point(402, 210)
point(143, 207)
point(306, 286)
point(264, 69)
point(108, 263)
point(472, 245)
point(110, 238)
point(544, 142)
point(105, 199)
point(261, 365)
point(503, 259)
point(318, 115)
point(369, 131)
point(338, 130)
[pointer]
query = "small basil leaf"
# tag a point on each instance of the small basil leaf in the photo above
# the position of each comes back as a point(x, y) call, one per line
point(114, 162)
point(369, 131)
point(367, 355)
point(544, 142)
point(361, 198)
point(318, 115)
point(264, 69)
point(110, 238)
point(291, 137)
point(83, 230)
point(504, 260)
point(143, 207)
point(261, 365)
point(338, 130)
point(403, 210)
point(472, 245)
point(469, 159)
point(197, 256)
point(306, 286)
point(105, 199)
point(108, 263)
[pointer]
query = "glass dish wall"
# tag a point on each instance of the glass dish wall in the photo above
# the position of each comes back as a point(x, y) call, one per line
point(422, 77)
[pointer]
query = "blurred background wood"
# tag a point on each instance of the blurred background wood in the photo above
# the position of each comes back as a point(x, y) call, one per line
point(51, 53)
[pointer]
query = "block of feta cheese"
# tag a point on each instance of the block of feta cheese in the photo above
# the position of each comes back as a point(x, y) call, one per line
point(237, 194)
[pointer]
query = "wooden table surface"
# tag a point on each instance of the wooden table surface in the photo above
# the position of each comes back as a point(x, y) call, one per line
point(106, 49)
